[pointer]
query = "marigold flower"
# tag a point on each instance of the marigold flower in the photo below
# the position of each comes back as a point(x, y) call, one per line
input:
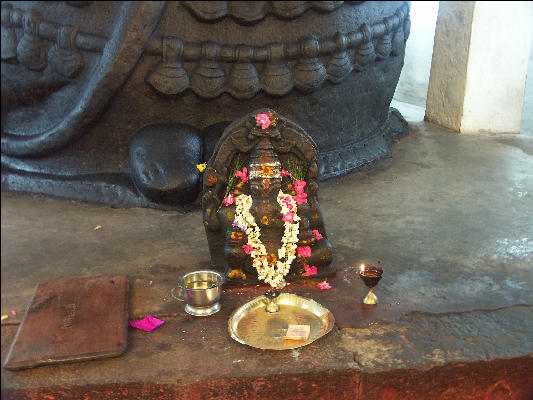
point(201, 167)
point(271, 258)
point(317, 234)
point(324, 285)
point(267, 170)
point(236, 274)
point(236, 235)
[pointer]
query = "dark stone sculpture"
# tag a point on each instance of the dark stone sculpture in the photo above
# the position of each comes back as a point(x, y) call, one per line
point(257, 161)
point(80, 79)
point(163, 162)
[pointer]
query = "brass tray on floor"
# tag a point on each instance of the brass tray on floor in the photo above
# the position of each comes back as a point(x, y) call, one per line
point(252, 325)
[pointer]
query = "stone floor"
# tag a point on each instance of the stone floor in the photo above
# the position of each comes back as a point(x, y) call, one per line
point(449, 216)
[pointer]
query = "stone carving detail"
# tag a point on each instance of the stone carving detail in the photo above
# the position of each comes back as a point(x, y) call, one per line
point(163, 160)
point(64, 58)
point(276, 77)
point(384, 46)
point(209, 80)
point(309, 72)
point(118, 58)
point(264, 153)
point(251, 12)
point(30, 51)
point(339, 64)
point(365, 54)
point(243, 79)
point(66, 129)
point(372, 148)
point(9, 37)
point(169, 77)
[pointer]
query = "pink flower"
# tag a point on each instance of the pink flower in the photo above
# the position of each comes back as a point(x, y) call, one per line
point(317, 234)
point(263, 120)
point(304, 251)
point(284, 172)
point(243, 174)
point(288, 217)
point(300, 198)
point(310, 271)
point(147, 324)
point(299, 186)
point(324, 285)
point(228, 201)
point(287, 201)
point(247, 248)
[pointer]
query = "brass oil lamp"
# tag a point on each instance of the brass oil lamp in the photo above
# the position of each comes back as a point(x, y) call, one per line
point(370, 276)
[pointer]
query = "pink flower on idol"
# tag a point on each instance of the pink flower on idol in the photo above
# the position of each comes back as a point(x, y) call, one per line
point(243, 174)
point(287, 201)
point(263, 120)
point(310, 271)
point(300, 198)
point(288, 217)
point(324, 285)
point(299, 186)
point(228, 201)
point(284, 172)
point(317, 234)
point(247, 248)
point(304, 251)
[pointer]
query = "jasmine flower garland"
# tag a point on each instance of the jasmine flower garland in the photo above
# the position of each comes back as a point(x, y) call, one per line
point(273, 275)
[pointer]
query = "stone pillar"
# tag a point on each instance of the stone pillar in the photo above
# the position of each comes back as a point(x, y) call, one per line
point(479, 65)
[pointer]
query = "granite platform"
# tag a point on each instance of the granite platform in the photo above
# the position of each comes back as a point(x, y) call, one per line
point(449, 216)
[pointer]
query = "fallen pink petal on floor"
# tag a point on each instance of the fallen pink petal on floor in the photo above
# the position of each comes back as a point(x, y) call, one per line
point(147, 324)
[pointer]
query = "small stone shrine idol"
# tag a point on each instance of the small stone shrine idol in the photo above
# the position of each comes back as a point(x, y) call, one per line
point(260, 205)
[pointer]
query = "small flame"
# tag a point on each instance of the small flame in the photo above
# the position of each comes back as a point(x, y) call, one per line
point(362, 267)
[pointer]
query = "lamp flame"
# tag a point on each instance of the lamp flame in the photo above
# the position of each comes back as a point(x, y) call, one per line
point(362, 267)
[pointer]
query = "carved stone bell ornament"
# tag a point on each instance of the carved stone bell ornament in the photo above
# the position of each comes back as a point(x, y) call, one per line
point(261, 212)
point(117, 102)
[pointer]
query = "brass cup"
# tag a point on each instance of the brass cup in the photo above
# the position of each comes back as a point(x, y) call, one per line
point(371, 277)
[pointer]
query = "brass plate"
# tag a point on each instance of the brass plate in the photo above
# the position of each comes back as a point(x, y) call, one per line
point(250, 324)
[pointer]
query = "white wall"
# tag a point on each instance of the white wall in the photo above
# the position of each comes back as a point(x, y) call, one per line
point(527, 111)
point(413, 84)
point(497, 66)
